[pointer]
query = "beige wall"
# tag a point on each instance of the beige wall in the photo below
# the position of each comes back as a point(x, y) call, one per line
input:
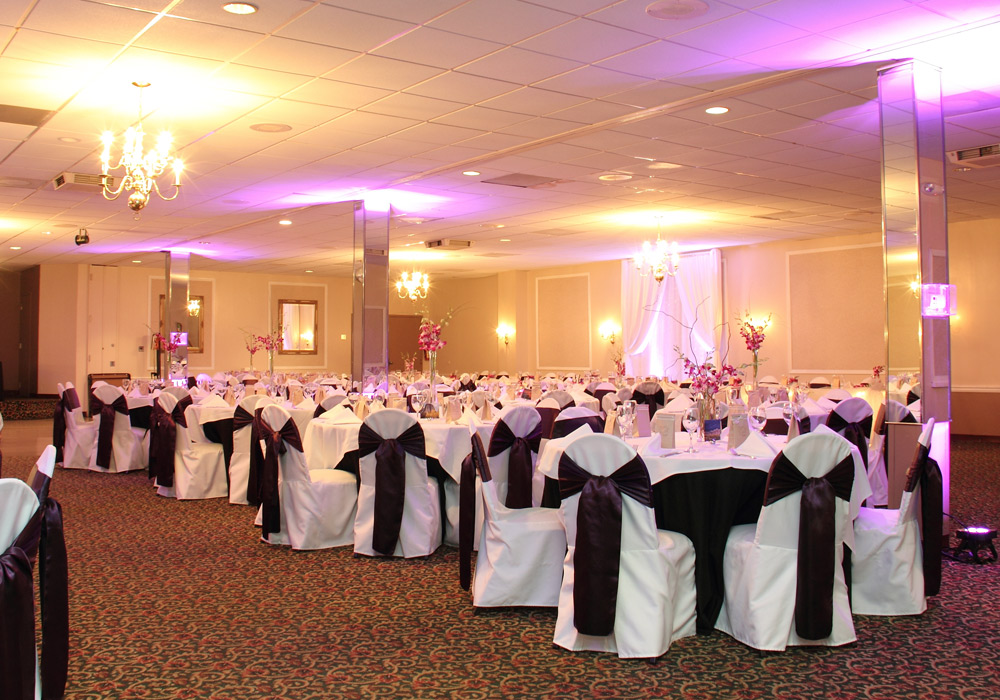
point(62, 328)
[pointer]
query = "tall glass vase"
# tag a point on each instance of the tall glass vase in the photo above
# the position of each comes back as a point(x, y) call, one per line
point(433, 358)
point(270, 362)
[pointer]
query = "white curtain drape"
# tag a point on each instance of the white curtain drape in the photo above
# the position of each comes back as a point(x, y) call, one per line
point(682, 313)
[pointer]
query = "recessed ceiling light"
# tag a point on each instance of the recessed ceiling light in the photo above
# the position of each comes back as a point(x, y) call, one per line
point(239, 8)
point(614, 177)
point(48, 233)
point(676, 9)
point(204, 243)
point(285, 222)
point(716, 110)
point(270, 128)
point(15, 247)
point(137, 261)
point(308, 272)
point(963, 169)
point(471, 173)
point(505, 240)
point(68, 139)
point(491, 225)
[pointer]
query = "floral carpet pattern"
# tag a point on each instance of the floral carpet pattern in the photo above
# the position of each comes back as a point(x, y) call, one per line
point(173, 599)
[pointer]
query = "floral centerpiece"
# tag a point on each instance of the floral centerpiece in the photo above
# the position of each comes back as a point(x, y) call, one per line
point(164, 343)
point(252, 345)
point(429, 339)
point(618, 358)
point(753, 335)
point(877, 371)
point(707, 380)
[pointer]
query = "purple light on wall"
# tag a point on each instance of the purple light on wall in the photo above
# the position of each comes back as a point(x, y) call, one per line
point(937, 300)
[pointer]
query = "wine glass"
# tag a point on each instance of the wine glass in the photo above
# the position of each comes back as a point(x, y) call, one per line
point(416, 401)
point(757, 416)
point(690, 422)
point(627, 412)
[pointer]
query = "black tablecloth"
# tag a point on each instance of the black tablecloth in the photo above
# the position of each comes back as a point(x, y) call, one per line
point(704, 506)
point(139, 416)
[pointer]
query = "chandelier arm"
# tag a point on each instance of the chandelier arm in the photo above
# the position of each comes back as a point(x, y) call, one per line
point(156, 188)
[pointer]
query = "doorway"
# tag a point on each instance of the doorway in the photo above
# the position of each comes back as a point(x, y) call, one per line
point(403, 334)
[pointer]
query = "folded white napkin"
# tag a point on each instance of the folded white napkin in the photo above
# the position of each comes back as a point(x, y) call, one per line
point(468, 417)
point(678, 405)
point(307, 403)
point(756, 445)
point(213, 401)
point(340, 414)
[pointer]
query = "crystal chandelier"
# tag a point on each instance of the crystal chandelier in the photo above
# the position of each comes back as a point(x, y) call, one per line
point(659, 259)
point(141, 169)
point(413, 285)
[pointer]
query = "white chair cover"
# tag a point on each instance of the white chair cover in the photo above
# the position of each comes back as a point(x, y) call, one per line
point(317, 506)
point(523, 421)
point(887, 566)
point(81, 436)
point(239, 463)
point(520, 550)
point(199, 465)
point(126, 446)
point(420, 528)
point(656, 591)
point(761, 562)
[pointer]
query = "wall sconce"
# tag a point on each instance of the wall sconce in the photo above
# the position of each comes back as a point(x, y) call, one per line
point(504, 332)
point(194, 307)
point(609, 331)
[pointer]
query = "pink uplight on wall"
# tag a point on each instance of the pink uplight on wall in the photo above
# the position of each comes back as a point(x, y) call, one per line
point(937, 300)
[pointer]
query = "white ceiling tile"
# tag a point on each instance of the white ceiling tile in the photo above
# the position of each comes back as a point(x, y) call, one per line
point(592, 112)
point(412, 106)
point(503, 21)
point(519, 66)
point(436, 48)
point(258, 81)
point(495, 141)
point(660, 60)
point(593, 82)
point(870, 35)
point(336, 94)
point(87, 20)
point(439, 133)
point(378, 124)
point(540, 127)
point(817, 17)
point(481, 118)
point(461, 87)
point(345, 29)
point(36, 85)
point(654, 94)
point(179, 36)
point(534, 101)
point(631, 14)
point(78, 54)
point(417, 12)
point(387, 73)
point(739, 34)
point(291, 56)
point(267, 18)
point(585, 40)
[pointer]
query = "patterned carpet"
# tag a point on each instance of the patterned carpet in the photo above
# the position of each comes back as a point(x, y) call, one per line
point(180, 600)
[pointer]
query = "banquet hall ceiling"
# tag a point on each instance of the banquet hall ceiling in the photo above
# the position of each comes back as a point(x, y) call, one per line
point(391, 100)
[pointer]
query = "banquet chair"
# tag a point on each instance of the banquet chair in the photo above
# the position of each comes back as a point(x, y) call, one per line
point(768, 380)
point(774, 423)
point(836, 395)
point(520, 550)
point(599, 390)
point(199, 468)
point(626, 586)
point(853, 419)
point(569, 419)
point(117, 449)
point(81, 436)
point(651, 394)
point(328, 402)
point(244, 433)
point(610, 402)
point(464, 383)
point(562, 398)
point(513, 454)
point(891, 572)
point(548, 409)
point(784, 576)
point(878, 471)
point(303, 508)
point(819, 383)
point(399, 509)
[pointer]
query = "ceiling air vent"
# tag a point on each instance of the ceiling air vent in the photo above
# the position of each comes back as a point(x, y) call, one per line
point(80, 181)
point(522, 180)
point(448, 244)
point(981, 157)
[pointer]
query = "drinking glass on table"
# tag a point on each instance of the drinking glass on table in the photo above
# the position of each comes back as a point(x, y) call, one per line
point(757, 417)
point(416, 401)
point(626, 418)
point(690, 421)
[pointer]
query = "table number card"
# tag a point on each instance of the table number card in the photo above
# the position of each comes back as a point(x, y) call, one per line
point(739, 429)
point(642, 420)
point(611, 424)
point(664, 424)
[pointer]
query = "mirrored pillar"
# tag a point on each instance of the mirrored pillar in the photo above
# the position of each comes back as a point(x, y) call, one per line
point(370, 294)
point(175, 318)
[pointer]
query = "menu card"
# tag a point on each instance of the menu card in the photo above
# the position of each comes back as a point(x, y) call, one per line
point(739, 429)
point(642, 420)
point(664, 424)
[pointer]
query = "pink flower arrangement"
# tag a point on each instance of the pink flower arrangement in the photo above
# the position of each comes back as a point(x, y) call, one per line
point(706, 378)
point(877, 370)
point(753, 333)
point(270, 342)
point(252, 345)
point(429, 339)
point(160, 342)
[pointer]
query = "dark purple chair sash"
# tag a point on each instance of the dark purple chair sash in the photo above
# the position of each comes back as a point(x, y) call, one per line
point(562, 428)
point(474, 462)
point(912, 397)
point(599, 537)
point(254, 483)
point(654, 401)
point(467, 386)
point(856, 433)
point(927, 473)
point(276, 443)
point(59, 426)
point(817, 538)
point(519, 467)
point(548, 416)
point(107, 428)
point(163, 439)
point(53, 594)
point(390, 479)
point(884, 430)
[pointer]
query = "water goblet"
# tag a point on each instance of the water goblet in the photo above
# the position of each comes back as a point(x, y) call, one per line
point(691, 421)
point(757, 417)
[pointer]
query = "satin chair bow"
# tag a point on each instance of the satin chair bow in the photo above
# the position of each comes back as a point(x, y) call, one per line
point(42, 536)
point(107, 429)
point(562, 428)
point(519, 467)
point(59, 425)
point(817, 537)
point(856, 432)
point(276, 443)
point(390, 479)
point(474, 462)
point(926, 472)
point(599, 537)
point(467, 386)
point(654, 400)
point(241, 419)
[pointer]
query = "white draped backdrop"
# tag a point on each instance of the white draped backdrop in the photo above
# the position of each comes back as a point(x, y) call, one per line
point(684, 311)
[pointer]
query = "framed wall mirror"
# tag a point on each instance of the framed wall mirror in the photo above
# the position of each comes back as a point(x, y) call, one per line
point(194, 324)
point(297, 319)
